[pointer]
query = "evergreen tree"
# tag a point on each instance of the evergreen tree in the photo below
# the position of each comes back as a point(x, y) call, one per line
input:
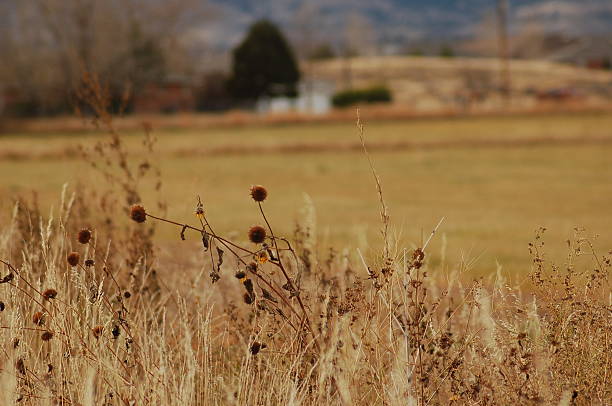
point(263, 65)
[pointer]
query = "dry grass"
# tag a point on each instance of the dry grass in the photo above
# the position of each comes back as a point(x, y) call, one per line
point(426, 84)
point(119, 331)
point(93, 314)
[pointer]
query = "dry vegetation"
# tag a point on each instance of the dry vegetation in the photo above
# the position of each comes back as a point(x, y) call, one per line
point(427, 84)
point(90, 315)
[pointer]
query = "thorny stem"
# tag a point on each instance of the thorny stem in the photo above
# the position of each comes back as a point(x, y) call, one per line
point(279, 264)
point(201, 230)
point(228, 244)
point(261, 278)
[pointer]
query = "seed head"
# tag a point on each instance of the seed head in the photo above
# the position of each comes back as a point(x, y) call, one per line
point(7, 278)
point(248, 285)
point(20, 366)
point(248, 297)
point(97, 331)
point(240, 275)
point(1, 306)
point(89, 262)
point(38, 318)
point(49, 294)
point(261, 257)
point(252, 267)
point(257, 234)
point(256, 347)
point(84, 236)
point(138, 213)
point(73, 258)
point(259, 193)
point(46, 336)
point(418, 255)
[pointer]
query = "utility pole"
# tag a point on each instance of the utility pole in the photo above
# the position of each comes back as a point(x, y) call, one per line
point(503, 49)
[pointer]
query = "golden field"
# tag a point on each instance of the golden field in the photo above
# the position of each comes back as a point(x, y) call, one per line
point(494, 179)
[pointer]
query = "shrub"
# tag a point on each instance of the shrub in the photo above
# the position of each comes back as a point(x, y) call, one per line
point(376, 94)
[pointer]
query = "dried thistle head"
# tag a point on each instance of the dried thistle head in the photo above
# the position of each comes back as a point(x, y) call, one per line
point(38, 318)
point(259, 193)
point(97, 331)
point(84, 236)
point(49, 294)
point(138, 213)
point(73, 258)
point(257, 234)
point(46, 336)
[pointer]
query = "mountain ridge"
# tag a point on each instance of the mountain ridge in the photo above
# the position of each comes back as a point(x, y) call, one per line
point(403, 21)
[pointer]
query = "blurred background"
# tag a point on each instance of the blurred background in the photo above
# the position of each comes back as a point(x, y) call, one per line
point(495, 114)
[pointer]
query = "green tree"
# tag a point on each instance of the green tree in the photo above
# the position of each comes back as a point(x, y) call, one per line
point(263, 65)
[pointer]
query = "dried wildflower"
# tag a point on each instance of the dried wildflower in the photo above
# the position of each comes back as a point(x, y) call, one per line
point(256, 347)
point(20, 366)
point(84, 236)
point(49, 294)
point(248, 285)
point(73, 258)
point(418, 254)
point(259, 193)
point(240, 275)
point(46, 336)
point(7, 278)
point(38, 318)
point(115, 331)
point(261, 257)
point(199, 211)
point(138, 214)
point(89, 262)
point(257, 234)
point(97, 331)
point(248, 297)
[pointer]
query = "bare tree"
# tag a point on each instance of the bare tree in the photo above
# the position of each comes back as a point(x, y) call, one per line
point(46, 44)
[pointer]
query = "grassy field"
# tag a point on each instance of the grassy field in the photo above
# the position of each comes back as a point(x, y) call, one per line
point(495, 180)
point(123, 316)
